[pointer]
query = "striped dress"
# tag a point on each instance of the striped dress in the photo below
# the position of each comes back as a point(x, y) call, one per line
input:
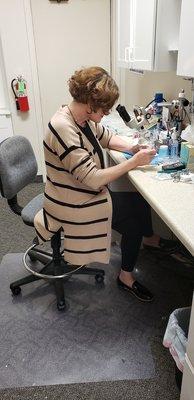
point(74, 199)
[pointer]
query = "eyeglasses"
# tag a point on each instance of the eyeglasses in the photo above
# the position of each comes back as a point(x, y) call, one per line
point(101, 110)
point(107, 112)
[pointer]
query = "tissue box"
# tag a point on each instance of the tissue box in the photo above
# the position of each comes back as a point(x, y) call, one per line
point(187, 154)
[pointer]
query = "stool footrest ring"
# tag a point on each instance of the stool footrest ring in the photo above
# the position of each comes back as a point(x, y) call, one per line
point(47, 276)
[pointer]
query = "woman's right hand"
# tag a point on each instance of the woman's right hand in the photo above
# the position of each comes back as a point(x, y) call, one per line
point(144, 156)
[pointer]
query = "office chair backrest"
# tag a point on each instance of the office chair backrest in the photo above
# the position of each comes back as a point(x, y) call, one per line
point(18, 165)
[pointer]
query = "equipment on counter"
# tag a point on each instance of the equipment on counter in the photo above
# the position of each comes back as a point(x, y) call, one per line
point(174, 113)
point(131, 122)
point(142, 117)
point(174, 166)
point(154, 104)
point(159, 123)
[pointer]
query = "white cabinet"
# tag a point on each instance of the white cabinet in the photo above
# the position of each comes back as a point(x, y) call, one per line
point(123, 12)
point(190, 344)
point(185, 66)
point(142, 41)
point(148, 33)
point(187, 390)
point(132, 29)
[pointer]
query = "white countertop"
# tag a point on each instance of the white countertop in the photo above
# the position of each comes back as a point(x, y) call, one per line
point(173, 201)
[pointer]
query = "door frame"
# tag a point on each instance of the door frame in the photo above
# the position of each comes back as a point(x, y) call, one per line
point(35, 80)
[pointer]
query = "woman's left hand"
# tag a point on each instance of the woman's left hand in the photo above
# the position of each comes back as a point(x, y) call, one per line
point(137, 147)
point(134, 148)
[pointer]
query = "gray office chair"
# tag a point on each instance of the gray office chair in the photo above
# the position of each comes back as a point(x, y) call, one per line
point(18, 168)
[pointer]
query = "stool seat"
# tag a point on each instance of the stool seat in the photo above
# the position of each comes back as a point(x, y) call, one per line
point(31, 209)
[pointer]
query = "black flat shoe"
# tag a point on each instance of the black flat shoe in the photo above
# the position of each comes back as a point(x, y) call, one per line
point(136, 290)
point(165, 246)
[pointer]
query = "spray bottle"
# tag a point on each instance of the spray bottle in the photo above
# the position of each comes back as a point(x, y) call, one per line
point(174, 145)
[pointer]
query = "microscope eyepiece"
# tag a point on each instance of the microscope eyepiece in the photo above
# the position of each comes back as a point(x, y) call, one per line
point(123, 113)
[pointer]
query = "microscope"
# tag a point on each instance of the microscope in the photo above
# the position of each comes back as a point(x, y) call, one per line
point(173, 114)
point(136, 122)
point(142, 121)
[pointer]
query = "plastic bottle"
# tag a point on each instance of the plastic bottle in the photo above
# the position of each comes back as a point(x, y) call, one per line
point(168, 141)
point(174, 145)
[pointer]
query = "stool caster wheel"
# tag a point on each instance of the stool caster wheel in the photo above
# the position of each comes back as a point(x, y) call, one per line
point(99, 278)
point(61, 306)
point(15, 290)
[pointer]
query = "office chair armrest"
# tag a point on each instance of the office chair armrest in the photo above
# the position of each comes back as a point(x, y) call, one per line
point(15, 207)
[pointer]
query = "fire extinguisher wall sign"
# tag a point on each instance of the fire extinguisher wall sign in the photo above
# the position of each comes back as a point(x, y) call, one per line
point(18, 86)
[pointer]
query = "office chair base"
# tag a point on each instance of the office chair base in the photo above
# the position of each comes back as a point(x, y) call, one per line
point(15, 290)
point(56, 271)
point(48, 261)
point(61, 306)
point(58, 268)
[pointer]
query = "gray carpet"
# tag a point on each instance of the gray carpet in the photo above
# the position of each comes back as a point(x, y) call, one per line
point(127, 335)
point(102, 336)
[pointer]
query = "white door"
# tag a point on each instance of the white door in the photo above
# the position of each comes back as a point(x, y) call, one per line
point(68, 36)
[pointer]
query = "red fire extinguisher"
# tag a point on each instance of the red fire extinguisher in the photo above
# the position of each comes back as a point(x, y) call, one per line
point(18, 86)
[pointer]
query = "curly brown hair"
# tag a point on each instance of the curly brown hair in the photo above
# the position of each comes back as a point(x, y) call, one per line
point(94, 86)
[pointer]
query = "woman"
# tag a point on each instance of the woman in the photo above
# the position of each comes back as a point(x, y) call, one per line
point(76, 194)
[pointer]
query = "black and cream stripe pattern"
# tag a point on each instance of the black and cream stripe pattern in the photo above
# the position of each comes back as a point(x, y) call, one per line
point(74, 199)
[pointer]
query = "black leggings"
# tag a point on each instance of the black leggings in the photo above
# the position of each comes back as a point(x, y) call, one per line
point(131, 217)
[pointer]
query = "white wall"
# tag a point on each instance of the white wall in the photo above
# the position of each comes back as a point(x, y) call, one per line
point(17, 61)
point(140, 89)
point(67, 36)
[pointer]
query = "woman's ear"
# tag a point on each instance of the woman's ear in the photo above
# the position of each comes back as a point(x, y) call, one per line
point(89, 109)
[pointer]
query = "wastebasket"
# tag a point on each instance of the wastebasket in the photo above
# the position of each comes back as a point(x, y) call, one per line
point(176, 337)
